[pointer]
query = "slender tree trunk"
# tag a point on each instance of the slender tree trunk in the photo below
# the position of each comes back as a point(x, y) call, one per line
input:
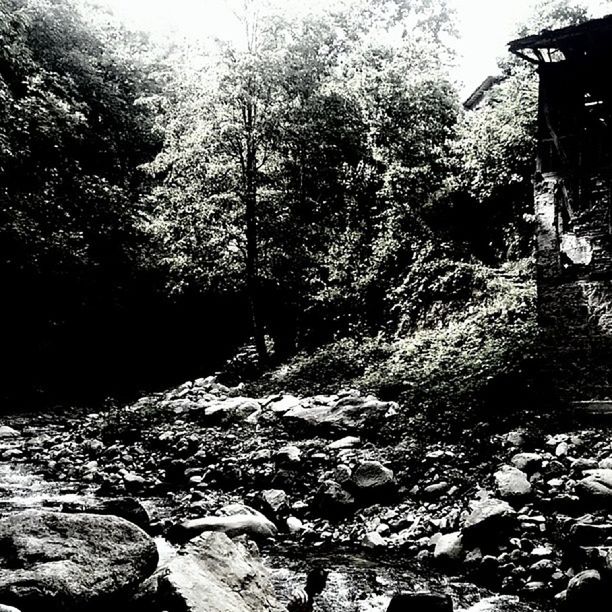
point(253, 288)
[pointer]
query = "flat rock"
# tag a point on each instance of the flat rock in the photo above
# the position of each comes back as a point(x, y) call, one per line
point(347, 415)
point(218, 575)
point(527, 462)
point(53, 561)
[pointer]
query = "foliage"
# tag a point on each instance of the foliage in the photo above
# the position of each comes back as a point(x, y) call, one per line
point(479, 363)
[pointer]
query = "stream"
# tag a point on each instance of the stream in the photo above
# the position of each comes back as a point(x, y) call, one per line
point(356, 582)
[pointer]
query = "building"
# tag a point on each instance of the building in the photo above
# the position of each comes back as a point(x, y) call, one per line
point(573, 202)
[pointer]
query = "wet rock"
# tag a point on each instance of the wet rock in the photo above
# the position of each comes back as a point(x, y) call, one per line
point(512, 484)
point(449, 548)
point(420, 602)
point(63, 562)
point(217, 575)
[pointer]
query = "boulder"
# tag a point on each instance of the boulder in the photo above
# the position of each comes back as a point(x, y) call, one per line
point(596, 486)
point(346, 442)
point(347, 415)
point(8, 433)
point(584, 592)
point(372, 477)
point(527, 462)
point(217, 575)
point(489, 518)
point(449, 548)
point(236, 520)
point(420, 602)
point(232, 409)
point(333, 501)
point(512, 484)
point(587, 534)
point(273, 503)
point(63, 562)
point(284, 403)
point(125, 507)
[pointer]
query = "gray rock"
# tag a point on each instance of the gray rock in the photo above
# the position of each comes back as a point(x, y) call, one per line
point(372, 476)
point(348, 415)
point(596, 486)
point(346, 442)
point(8, 433)
point(587, 534)
point(273, 503)
point(236, 520)
point(449, 548)
point(527, 462)
point(584, 592)
point(332, 500)
point(488, 518)
point(511, 483)
point(218, 575)
point(64, 562)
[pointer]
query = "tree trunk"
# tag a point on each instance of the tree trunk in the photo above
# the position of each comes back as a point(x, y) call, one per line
point(253, 288)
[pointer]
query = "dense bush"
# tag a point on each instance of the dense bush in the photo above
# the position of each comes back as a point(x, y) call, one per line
point(479, 363)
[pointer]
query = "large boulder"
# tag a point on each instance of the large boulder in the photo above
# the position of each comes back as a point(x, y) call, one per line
point(347, 415)
point(62, 562)
point(217, 575)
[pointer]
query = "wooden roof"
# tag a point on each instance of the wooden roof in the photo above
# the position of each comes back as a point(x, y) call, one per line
point(578, 35)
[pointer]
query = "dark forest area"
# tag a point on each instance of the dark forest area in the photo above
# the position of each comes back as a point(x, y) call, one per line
point(309, 197)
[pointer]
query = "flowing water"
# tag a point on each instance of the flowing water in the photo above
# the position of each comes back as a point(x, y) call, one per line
point(356, 583)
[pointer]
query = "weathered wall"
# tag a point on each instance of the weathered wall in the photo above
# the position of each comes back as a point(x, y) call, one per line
point(574, 264)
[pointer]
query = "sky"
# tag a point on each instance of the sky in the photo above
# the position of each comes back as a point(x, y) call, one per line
point(484, 26)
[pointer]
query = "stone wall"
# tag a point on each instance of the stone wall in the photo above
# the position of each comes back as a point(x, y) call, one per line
point(574, 268)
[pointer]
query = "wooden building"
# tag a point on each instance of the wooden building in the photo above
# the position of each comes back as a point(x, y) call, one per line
point(573, 201)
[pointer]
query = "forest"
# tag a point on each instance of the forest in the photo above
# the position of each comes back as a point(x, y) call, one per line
point(272, 336)
point(305, 206)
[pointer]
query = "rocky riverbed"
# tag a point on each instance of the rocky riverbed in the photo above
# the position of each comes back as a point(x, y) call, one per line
point(525, 518)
